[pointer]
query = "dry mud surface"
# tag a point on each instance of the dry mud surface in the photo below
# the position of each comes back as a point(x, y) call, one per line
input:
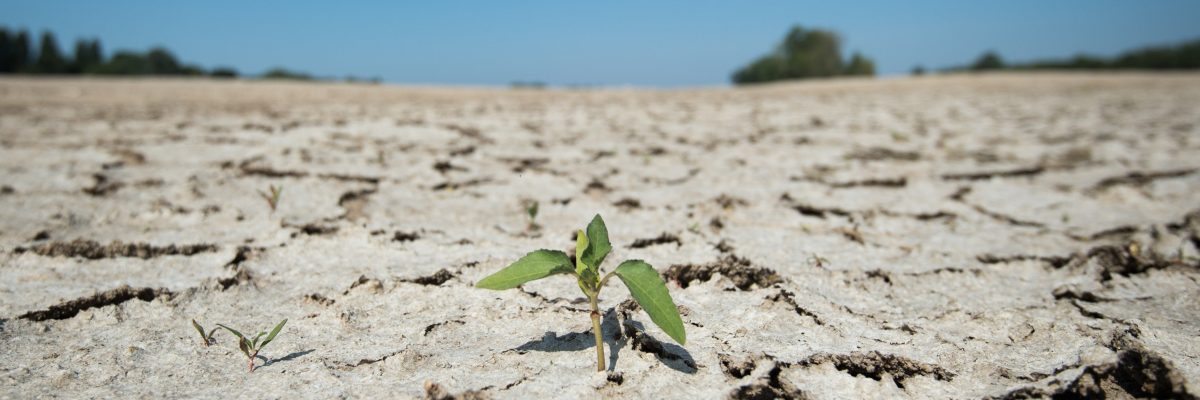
point(1002, 236)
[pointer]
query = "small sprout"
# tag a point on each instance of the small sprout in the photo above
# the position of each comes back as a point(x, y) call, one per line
point(205, 338)
point(272, 198)
point(251, 347)
point(531, 209)
point(817, 260)
point(644, 283)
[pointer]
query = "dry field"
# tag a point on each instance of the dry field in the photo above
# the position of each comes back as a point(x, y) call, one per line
point(943, 237)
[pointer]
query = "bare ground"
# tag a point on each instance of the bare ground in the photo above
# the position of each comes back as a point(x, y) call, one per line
point(1002, 236)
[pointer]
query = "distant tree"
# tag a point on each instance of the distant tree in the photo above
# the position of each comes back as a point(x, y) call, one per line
point(224, 72)
point(812, 53)
point(860, 66)
point(1183, 56)
point(6, 52)
point(802, 54)
point(918, 70)
point(22, 59)
point(765, 69)
point(157, 61)
point(162, 62)
point(988, 61)
point(50, 60)
point(282, 73)
point(126, 63)
point(87, 56)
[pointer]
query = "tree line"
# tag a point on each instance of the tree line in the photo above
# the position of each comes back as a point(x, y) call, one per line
point(20, 55)
point(1181, 56)
point(816, 53)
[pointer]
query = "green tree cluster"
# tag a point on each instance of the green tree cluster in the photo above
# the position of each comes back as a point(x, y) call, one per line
point(1182, 56)
point(15, 53)
point(804, 53)
point(18, 56)
point(988, 61)
point(286, 74)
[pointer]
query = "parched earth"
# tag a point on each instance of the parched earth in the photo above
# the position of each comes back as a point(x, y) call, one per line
point(995, 236)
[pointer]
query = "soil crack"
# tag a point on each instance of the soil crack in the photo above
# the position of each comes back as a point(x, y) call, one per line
point(93, 250)
point(112, 297)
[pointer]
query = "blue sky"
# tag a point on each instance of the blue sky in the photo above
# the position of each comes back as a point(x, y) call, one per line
point(644, 43)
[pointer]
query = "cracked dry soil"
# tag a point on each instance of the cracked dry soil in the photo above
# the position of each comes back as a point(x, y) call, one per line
point(991, 236)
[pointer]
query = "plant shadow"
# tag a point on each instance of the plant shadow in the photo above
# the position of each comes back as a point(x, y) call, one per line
point(615, 339)
point(674, 356)
point(288, 357)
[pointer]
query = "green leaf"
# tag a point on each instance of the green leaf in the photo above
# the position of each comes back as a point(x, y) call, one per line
point(599, 247)
point(536, 265)
point(581, 245)
point(588, 281)
point(274, 332)
point(254, 343)
point(651, 293)
point(234, 332)
point(201, 330)
point(243, 344)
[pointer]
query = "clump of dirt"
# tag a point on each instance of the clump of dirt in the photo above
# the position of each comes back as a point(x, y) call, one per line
point(103, 186)
point(442, 167)
point(739, 270)
point(369, 284)
point(875, 364)
point(435, 391)
point(1120, 260)
point(319, 299)
point(664, 238)
point(437, 279)
point(728, 202)
point(736, 368)
point(769, 386)
point(596, 186)
point(628, 203)
point(314, 229)
point(401, 236)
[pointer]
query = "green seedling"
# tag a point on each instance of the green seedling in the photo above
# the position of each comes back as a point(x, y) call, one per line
point(251, 347)
point(272, 198)
point(205, 338)
point(591, 247)
point(817, 260)
point(531, 209)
